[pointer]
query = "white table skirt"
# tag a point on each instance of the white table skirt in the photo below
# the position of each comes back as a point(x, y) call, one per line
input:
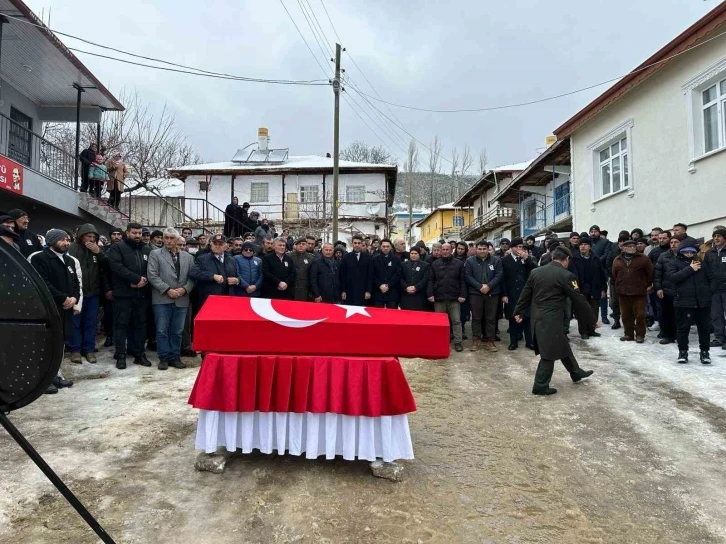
point(369, 438)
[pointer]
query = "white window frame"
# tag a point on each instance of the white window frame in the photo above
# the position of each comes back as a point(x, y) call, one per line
point(693, 90)
point(623, 131)
point(352, 191)
point(258, 185)
point(457, 219)
point(307, 192)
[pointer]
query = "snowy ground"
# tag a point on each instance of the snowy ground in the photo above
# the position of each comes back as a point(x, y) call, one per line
point(636, 454)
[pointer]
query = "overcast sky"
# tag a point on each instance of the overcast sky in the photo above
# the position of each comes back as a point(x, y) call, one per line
point(465, 54)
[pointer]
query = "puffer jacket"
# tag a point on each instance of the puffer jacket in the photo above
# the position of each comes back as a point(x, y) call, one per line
point(446, 280)
point(94, 267)
point(249, 271)
point(715, 265)
point(478, 272)
point(661, 278)
point(691, 287)
point(601, 248)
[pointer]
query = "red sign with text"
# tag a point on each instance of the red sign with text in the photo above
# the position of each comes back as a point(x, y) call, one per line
point(11, 175)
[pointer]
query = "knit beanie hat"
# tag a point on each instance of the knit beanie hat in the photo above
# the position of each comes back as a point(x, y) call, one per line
point(720, 230)
point(55, 235)
point(6, 231)
point(17, 213)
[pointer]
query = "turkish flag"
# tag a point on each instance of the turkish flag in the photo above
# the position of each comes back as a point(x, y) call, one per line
point(263, 326)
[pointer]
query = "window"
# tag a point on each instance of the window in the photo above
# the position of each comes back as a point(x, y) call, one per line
point(20, 144)
point(713, 111)
point(530, 215)
point(458, 221)
point(562, 199)
point(355, 193)
point(614, 173)
point(259, 192)
point(309, 194)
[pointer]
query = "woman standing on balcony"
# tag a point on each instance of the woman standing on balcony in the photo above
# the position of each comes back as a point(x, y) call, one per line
point(117, 172)
point(97, 174)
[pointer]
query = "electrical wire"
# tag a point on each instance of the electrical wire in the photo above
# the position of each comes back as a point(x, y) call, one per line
point(185, 67)
point(308, 20)
point(232, 78)
point(302, 36)
point(549, 98)
point(331, 21)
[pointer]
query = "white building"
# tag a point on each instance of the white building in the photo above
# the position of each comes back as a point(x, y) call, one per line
point(650, 150)
point(294, 191)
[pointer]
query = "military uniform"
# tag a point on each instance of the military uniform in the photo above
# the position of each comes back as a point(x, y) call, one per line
point(546, 292)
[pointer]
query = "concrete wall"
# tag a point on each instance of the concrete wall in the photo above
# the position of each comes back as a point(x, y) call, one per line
point(667, 186)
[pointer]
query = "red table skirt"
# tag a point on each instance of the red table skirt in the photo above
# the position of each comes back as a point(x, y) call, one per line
point(353, 386)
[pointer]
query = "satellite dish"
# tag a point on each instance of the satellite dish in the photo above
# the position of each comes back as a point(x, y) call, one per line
point(31, 332)
point(373, 209)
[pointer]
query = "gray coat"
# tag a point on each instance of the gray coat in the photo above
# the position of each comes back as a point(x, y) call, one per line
point(162, 277)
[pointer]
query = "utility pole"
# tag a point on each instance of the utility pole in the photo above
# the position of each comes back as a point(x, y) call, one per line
point(336, 141)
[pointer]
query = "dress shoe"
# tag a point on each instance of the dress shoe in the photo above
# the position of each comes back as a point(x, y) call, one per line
point(489, 346)
point(458, 347)
point(529, 346)
point(512, 347)
point(108, 342)
point(61, 383)
point(548, 391)
point(188, 353)
point(52, 390)
point(121, 363)
point(142, 361)
point(76, 358)
point(605, 321)
point(163, 364)
point(90, 357)
point(616, 324)
point(595, 334)
point(626, 338)
point(475, 343)
point(576, 377)
point(665, 341)
point(177, 363)
point(639, 340)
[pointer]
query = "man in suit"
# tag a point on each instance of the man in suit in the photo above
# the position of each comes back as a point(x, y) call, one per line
point(278, 273)
point(324, 276)
point(356, 274)
point(215, 273)
point(169, 278)
point(517, 267)
point(545, 293)
point(386, 276)
point(302, 259)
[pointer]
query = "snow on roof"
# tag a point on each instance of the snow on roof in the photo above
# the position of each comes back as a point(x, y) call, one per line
point(167, 187)
point(313, 162)
point(517, 167)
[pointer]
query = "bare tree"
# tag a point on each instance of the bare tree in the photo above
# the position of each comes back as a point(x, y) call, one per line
point(410, 167)
point(360, 151)
point(466, 162)
point(483, 161)
point(454, 172)
point(149, 143)
point(434, 163)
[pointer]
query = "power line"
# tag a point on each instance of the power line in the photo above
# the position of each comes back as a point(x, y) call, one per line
point(200, 74)
point(330, 21)
point(549, 98)
point(324, 36)
point(201, 70)
point(397, 143)
point(303, 37)
point(312, 29)
point(366, 124)
point(387, 129)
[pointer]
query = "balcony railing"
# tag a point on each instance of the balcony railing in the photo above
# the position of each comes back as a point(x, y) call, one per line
point(496, 216)
point(27, 148)
point(545, 216)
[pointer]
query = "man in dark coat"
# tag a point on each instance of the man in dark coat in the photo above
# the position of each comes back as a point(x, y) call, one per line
point(601, 247)
point(715, 259)
point(534, 250)
point(356, 274)
point(386, 277)
point(615, 250)
point(278, 273)
point(517, 267)
point(663, 287)
point(483, 275)
point(693, 298)
point(132, 295)
point(447, 290)
point(28, 242)
point(302, 260)
point(545, 293)
point(87, 156)
point(414, 280)
point(325, 276)
point(215, 272)
point(591, 278)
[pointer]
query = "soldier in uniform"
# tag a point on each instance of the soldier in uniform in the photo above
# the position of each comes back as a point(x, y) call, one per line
point(546, 291)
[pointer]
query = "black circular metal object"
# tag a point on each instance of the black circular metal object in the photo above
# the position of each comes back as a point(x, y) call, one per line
point(31, 332)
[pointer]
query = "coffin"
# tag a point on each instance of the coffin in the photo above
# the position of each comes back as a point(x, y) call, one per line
point(243, 325)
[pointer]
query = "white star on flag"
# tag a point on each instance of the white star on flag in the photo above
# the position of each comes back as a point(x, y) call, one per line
point(353, 310)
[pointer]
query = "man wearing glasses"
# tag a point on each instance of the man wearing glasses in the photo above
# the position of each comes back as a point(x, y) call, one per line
point(215, 272)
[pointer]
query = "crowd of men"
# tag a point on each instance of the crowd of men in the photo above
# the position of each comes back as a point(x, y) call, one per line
point(151, 284)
